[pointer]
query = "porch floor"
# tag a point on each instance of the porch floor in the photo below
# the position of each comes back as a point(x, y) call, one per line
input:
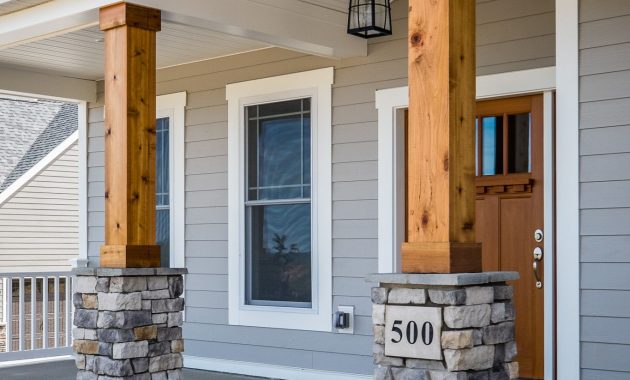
point(66, 370)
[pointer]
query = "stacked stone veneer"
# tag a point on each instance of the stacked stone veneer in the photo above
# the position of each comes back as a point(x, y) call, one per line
point(128, 323)
point(477, 337)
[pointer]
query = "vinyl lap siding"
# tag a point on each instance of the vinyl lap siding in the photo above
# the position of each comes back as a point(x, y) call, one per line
point(605, 188)
point(354, 156)
point(39, 225)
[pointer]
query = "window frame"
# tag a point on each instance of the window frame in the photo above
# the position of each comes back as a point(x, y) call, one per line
point(316, 84)
point(172, 106)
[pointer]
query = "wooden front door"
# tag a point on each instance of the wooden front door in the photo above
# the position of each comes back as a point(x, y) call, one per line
point(510, 209)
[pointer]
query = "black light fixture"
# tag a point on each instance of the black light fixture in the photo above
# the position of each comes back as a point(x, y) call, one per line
point(370, 18)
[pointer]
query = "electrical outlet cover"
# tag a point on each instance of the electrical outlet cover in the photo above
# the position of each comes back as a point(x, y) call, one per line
point(349, 310)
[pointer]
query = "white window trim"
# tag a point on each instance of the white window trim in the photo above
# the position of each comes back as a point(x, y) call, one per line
point(389, 101)
point(316, 83)
point(173, 106)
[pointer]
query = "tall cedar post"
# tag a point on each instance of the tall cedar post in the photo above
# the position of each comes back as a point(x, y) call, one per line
point(441, 144)
point(130, 102)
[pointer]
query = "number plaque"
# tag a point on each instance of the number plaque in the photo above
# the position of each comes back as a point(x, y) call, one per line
point(413, 332)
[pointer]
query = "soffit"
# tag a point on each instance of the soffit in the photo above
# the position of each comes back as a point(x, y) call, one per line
point(79, 54)
point(11, 6)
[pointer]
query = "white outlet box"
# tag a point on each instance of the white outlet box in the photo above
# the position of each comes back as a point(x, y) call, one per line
point(349, 310)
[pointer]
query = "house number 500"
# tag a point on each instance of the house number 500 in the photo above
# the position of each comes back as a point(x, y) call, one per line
point(411, 332)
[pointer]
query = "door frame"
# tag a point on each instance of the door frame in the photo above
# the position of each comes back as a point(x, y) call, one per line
point(389, 102)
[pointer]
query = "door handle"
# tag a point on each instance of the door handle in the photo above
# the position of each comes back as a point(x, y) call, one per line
point(538, 254)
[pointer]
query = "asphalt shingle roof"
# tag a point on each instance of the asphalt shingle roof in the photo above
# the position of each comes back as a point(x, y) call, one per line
point(29, 130)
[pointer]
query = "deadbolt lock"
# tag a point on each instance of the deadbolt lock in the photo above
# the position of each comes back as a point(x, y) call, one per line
point(539, 235)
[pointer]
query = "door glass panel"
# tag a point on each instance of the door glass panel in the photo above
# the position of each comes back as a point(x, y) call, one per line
point(492, 145)
point(162, 190)
point(519, 143)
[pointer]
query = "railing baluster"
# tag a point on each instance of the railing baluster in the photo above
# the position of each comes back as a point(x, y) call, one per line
point(21, 319)
point(56, 313)
point(9, 317)
point(45, 312)
point(33, 313)
point(69, 310)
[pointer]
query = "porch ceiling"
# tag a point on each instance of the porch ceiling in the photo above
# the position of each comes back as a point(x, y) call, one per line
point(79, 54)
point(10, 6)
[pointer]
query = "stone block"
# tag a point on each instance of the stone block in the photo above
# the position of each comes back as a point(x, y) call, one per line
point(379, 295)
point(156, 294)
point(106, 366)
point(146, 304)
point(159, 376)
point(501, 333)
point(510, 351)
point(115, 335)
point(502, 311)
point(124, 319)
point(140, 365)
point(168, 305)
point(499, 354)
point(479, 375)
point(461, 317)
point(90, 301)
point(175, 286)
point(379, 334)
point(410, 374)
point(78, 333)
point(84, 284)
point(175, 319)
point(161, 348)
point(79, 360)
point(157, 282)
point(476, 358)
point(174, 374)
point(512, 370)
point(102, 285)
point(447, 296)
point(435, 365)
point(443, 375)
point(456, 339)
point(159, 318)
point(406, 296)
point(477, 337)
point(77, 300)
point(479, 295)
point(177, 345)
point(85, 318)
point(169, 333)
point(381, 359)
point(120, 301)
point(127, 284)
point(378, 314)
point(89, 362)
point(382, 373)
point(498, 373)
point(128, 350)
point(503, 292)
point(165, 362)
point(86, 375)
point(145, 332)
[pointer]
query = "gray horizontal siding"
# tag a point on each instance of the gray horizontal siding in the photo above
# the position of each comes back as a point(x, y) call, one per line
point(39, 226)
point(605, 188)
point(512, 35)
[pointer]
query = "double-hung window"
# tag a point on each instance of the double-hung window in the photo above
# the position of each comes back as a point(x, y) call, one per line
point(279, 189)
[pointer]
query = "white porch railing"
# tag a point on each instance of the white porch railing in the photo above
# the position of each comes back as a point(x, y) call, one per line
point(37, 315)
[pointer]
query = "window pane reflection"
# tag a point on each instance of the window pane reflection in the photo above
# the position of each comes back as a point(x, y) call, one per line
point(492, 145)
point(519, 143)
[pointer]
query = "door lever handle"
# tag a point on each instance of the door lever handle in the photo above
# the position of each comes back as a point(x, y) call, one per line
point(537, 258)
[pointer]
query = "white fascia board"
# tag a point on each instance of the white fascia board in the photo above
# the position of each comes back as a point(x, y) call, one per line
point(29, 83)
point(313, 30)
point(40, 166)
point(48, 19)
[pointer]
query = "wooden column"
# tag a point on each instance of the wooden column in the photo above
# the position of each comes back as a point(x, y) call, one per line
point(441, 143)
point(130, 101)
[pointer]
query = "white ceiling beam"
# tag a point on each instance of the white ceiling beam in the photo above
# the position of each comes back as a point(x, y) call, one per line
point(20, 82)
point(308, 28)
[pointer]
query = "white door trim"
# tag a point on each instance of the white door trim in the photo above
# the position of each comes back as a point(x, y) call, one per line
point(389, 101)
point(567, 184)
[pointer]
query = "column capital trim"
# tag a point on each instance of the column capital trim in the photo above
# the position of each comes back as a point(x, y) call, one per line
point(128, 14)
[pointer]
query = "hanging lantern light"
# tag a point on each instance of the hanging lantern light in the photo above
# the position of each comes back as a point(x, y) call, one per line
point(370, 18)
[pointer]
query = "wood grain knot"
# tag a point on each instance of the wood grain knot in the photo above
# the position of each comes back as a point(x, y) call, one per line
point(145, 179)
point(416, 39)
point(446, 162)
point(107, 195)
point(109, 131)
point(135, 196)
point(468, 226)
point(425, 218)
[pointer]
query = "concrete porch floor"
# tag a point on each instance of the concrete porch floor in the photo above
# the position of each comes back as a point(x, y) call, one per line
point(66, 370)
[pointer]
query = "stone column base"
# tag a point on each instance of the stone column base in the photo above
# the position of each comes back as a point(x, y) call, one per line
point(127, 323)
point(477, 325)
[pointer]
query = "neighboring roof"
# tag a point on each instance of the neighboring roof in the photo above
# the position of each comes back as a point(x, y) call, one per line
point(29, 130)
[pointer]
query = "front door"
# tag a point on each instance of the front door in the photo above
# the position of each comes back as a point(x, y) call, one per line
point(509, 184)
